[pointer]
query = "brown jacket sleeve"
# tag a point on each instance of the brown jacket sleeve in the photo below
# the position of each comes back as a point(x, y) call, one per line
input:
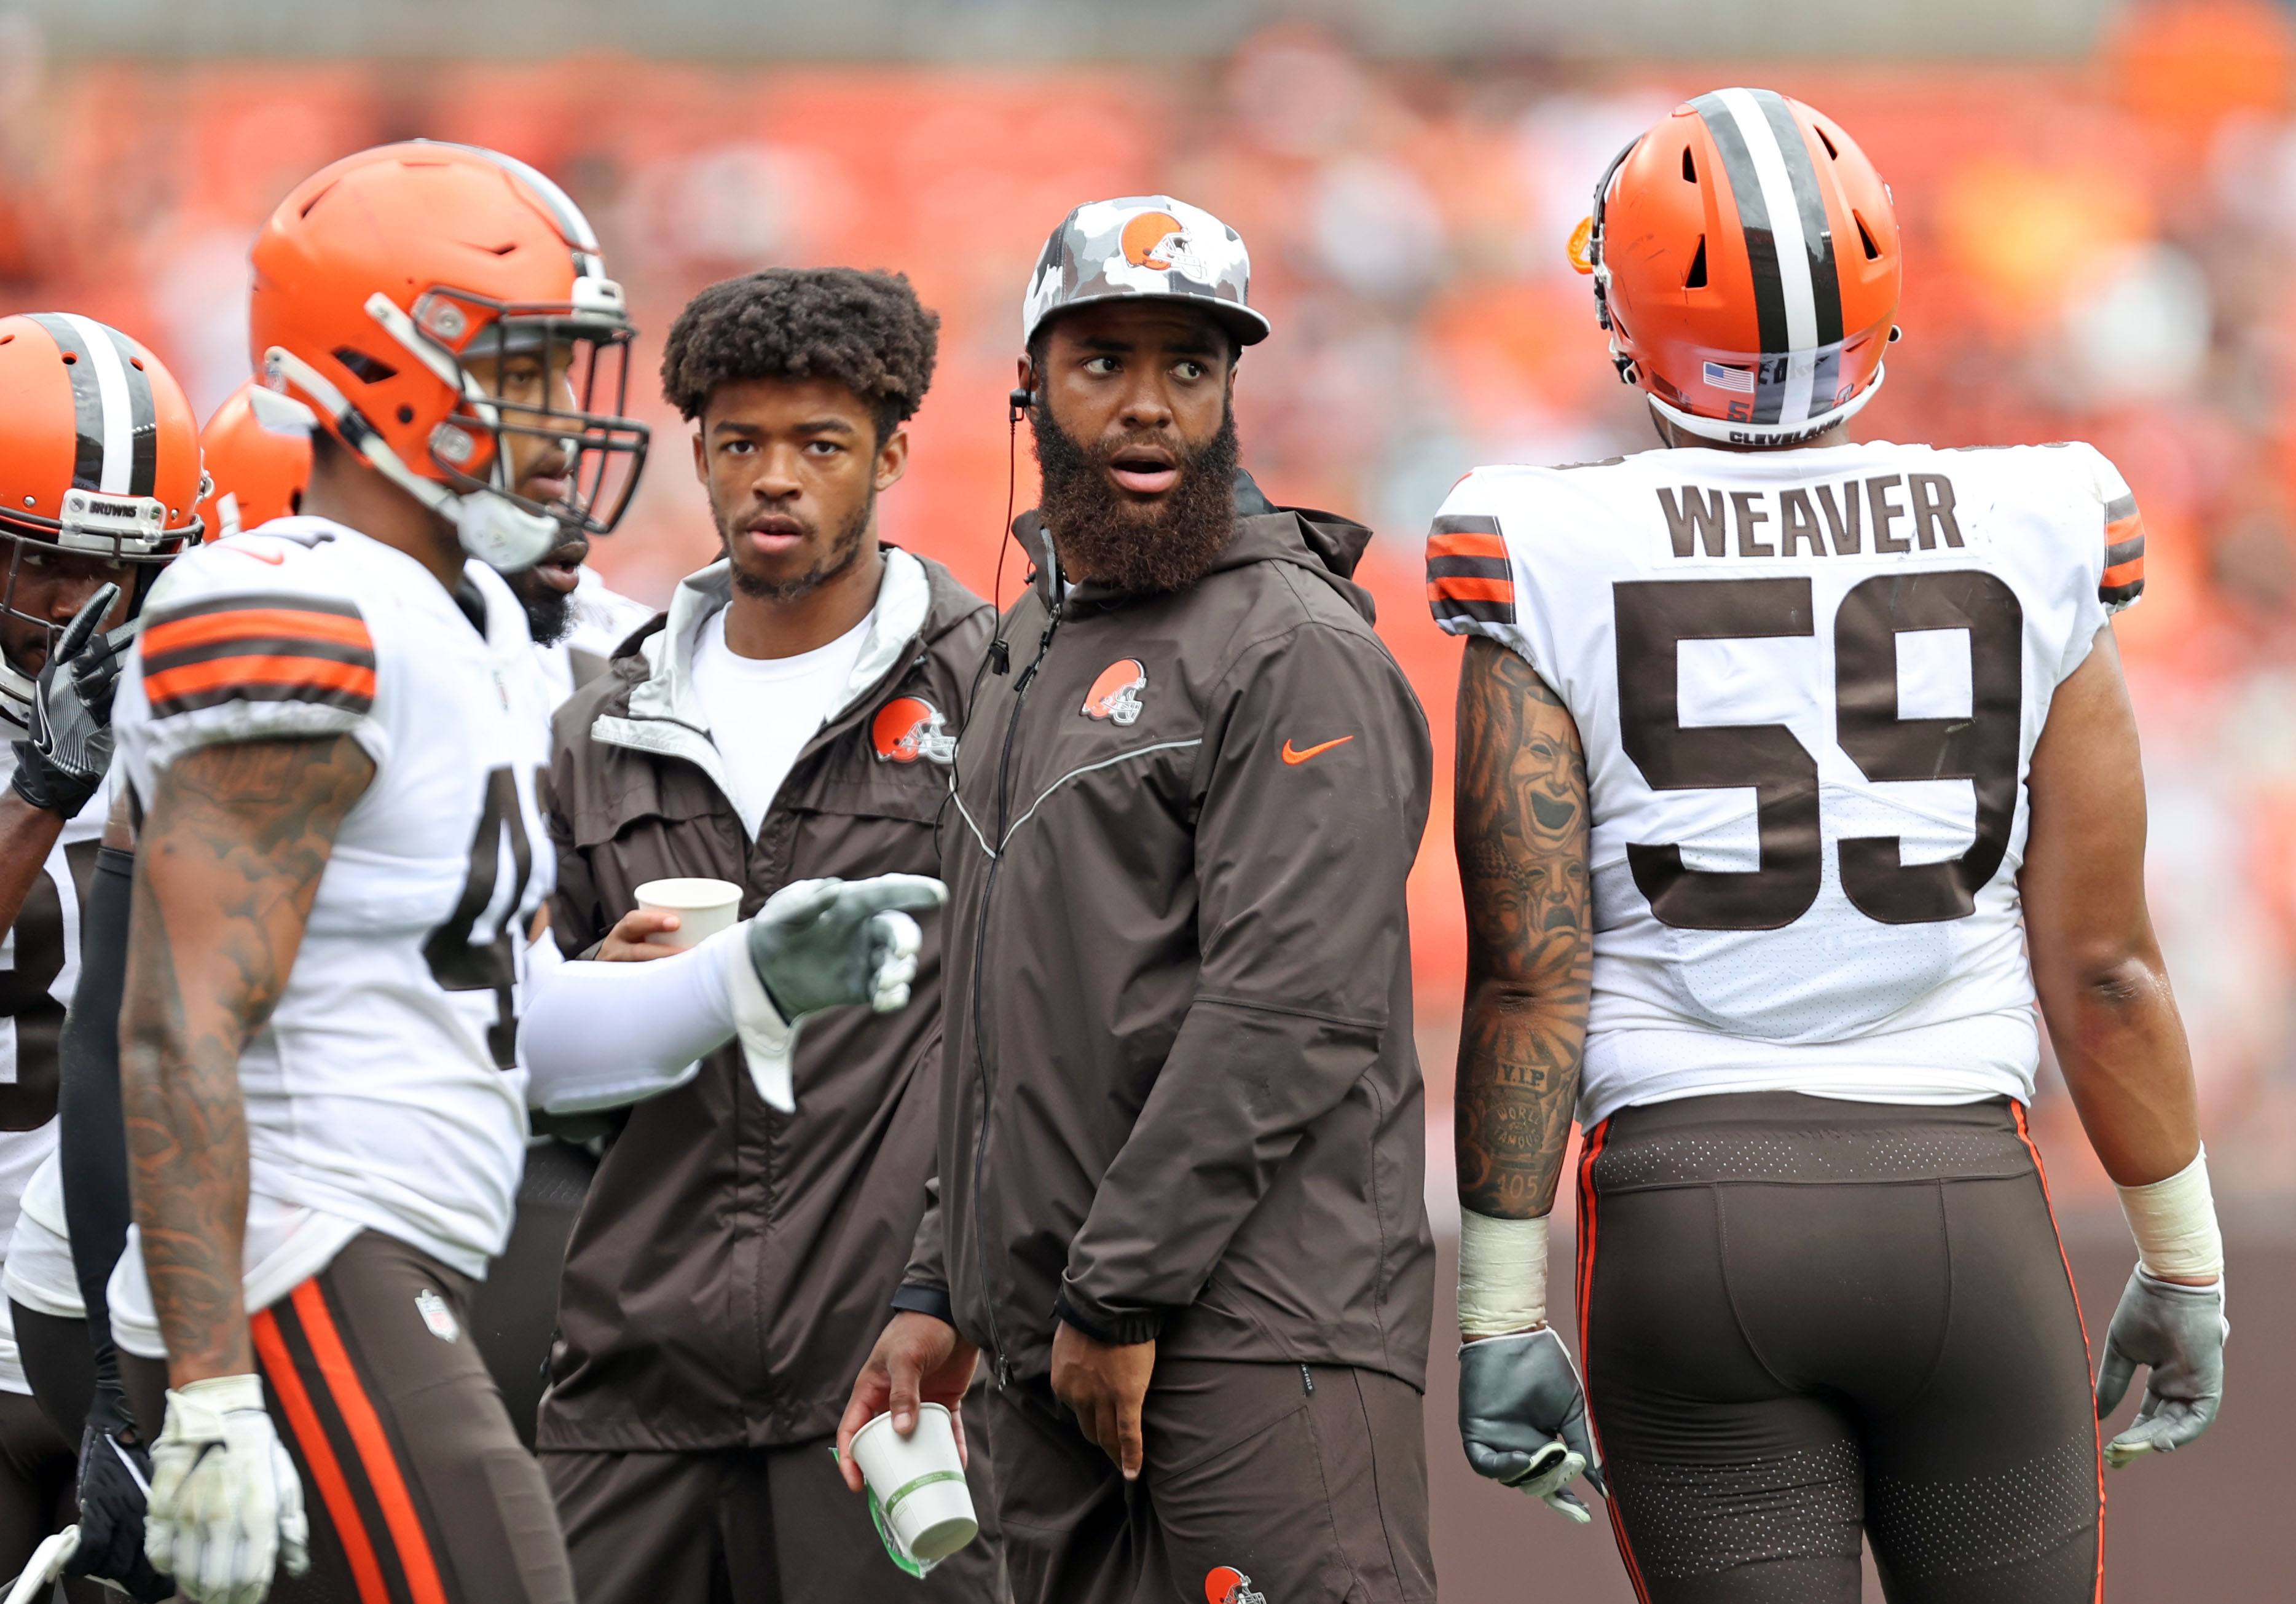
point(1314, 788)
point(924, 1284)
point(574, 905)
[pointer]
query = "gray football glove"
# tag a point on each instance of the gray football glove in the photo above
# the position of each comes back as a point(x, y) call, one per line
point(829, 943)
point(2180, 1332)
point(62, 762)
point(1523, 1418)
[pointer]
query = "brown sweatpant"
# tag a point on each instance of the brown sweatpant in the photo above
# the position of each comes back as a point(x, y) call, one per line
point(1277, 1482)
point(413, 1477)
point(759, 1525)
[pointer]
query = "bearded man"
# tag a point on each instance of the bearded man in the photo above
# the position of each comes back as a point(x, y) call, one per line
point(792, 717)
point(1181, 1129)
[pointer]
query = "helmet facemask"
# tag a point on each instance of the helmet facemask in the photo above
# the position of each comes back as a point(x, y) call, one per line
point(577, 355)
point(575, 361)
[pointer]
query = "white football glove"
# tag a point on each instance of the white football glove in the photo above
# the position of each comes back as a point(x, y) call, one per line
point(1522, 1418)
point(827, 943)
point(226, 1503)
point(2179, 1333)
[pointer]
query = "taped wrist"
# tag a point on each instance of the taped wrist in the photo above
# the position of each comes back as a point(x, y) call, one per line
point(2175, 1224)
point(1502, 1274)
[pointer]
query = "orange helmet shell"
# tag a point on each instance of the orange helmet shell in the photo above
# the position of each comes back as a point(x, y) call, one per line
point(99, 452)
point(258, 446)
point(449, 236)
point(1748, 266)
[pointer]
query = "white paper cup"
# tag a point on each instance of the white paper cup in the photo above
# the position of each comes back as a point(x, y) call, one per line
point(919, 1482)
point(703, 907)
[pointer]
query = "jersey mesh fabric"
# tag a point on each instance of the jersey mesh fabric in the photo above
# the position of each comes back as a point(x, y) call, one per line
point(1810, 683)
point(373, 1092)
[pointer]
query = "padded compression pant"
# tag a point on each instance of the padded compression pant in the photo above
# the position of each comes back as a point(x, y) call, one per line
point(1805, 1319)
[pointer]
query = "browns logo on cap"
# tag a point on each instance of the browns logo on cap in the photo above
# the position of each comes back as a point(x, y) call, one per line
point(1115, 695)
point(1155, 239)
point(909, 727)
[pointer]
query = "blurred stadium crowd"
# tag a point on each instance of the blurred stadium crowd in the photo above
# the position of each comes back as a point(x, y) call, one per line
point(2095, 250)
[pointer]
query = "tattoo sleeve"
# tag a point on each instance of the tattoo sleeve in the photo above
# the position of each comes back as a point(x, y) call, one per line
point(1519, 824)
point(228, 863)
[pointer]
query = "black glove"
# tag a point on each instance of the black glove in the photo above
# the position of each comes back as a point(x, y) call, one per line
point(1522, 1418)
point(115, 1475)
point(69, 750)
point(2179, 1333)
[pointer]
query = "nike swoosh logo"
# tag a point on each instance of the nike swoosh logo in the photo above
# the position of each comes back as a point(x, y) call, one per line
point(1292, 754)
point(274, 558)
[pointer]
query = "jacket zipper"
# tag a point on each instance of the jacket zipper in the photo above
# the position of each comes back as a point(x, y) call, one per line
point(1002, 1370)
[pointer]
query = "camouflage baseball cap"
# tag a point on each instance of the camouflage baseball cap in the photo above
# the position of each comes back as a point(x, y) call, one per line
point(1143, 247)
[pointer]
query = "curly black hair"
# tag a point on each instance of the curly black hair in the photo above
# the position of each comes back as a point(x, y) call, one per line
point(866, 331)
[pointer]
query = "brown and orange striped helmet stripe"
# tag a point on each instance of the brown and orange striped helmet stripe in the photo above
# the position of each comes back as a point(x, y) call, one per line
point(1790, 244)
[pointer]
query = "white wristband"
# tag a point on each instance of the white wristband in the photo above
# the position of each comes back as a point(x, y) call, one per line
point(1502, 1274)
point(2175, 1224)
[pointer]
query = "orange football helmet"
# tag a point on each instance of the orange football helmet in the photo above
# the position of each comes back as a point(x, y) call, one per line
point(99, 461)
point(380, 283)
point(258, 448)
point(1747, 264)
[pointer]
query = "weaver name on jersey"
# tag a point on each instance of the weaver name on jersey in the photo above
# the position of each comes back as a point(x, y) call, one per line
point(1809, 685)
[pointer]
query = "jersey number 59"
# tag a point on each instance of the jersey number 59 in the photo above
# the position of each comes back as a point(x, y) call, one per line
point(1655, 617)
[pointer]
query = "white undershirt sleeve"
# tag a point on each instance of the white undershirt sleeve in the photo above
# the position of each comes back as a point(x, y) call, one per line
point(598, 1035)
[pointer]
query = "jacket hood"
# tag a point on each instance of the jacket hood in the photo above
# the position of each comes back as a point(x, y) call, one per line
point(1323, 544)
point(918, 602)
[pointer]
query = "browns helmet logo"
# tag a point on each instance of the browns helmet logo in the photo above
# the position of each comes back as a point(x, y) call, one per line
point(1225, 1585)
point(1157, 240)
point(1115, 695)
point(909, 727)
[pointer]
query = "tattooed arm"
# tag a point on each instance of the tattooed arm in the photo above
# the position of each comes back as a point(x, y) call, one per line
point(228, 863)
point(1520, 830)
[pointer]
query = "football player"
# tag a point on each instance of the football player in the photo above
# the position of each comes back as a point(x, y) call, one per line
point(259, 457)
point(1793, 773)
point(99, 480)
point(327, 723)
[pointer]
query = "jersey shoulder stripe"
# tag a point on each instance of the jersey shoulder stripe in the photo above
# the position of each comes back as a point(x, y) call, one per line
point(2123, 580)
point(1469, 573)
point(280, 647)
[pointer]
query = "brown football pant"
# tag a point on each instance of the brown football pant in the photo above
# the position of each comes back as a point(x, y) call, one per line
point(745, 1525)
point(417, 1490)
point(1295, 1484)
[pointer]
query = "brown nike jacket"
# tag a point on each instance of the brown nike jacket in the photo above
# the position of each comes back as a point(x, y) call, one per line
point(730, 1265)
point(1180, 1099)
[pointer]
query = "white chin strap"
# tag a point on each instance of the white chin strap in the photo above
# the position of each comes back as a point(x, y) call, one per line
point(1724, 431)
point(489, 527)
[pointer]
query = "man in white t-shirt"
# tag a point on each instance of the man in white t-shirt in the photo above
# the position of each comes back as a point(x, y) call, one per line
point(792, 717)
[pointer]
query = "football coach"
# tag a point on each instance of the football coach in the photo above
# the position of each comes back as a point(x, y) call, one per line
point(1181, 1130)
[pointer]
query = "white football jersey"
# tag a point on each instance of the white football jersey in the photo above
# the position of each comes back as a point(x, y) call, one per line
point(376, 1093)
point(39, 970)
point(1809, 684)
